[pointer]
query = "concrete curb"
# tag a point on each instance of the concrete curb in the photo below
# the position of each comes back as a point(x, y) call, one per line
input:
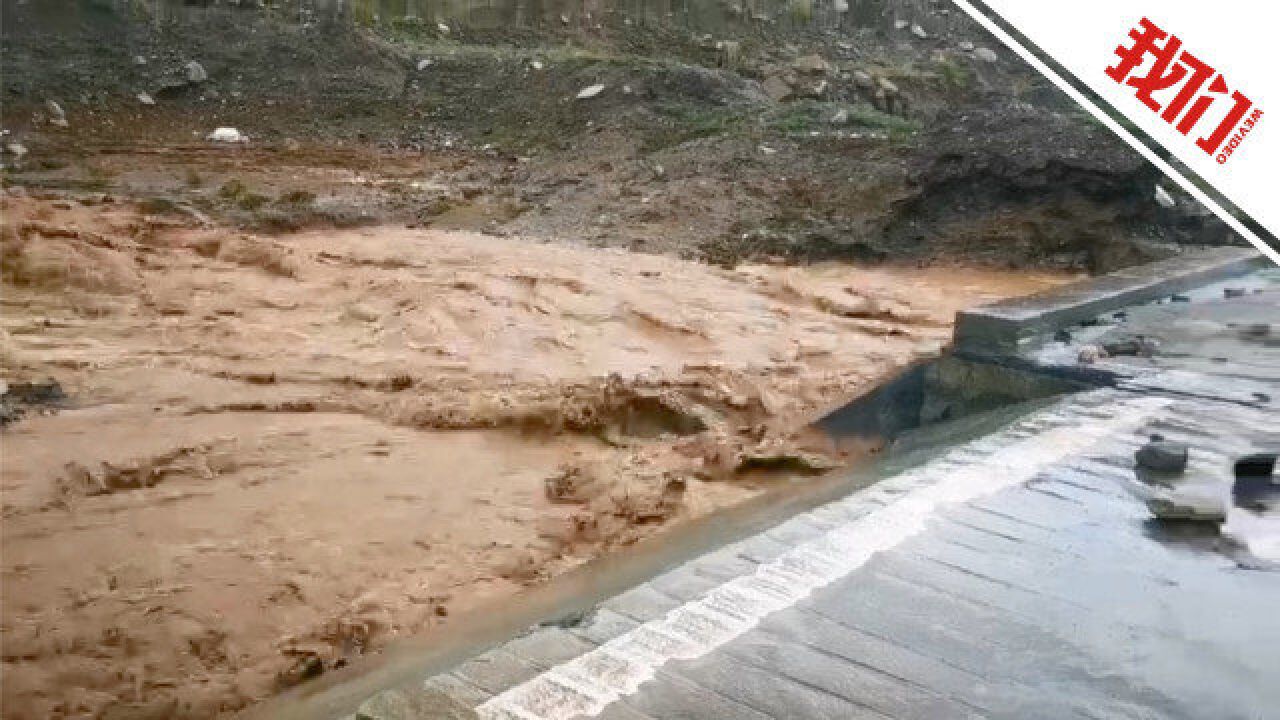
point(1002, 327)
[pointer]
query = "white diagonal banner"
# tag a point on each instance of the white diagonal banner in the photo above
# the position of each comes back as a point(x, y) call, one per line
point(1197, 78)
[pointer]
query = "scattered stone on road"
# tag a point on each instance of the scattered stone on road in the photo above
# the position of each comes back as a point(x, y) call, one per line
point(590, 91)
point(1137, 346)
point(1090, 354)
point(1162, 456)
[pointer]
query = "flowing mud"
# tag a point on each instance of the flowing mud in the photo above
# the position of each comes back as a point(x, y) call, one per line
point(264, 457)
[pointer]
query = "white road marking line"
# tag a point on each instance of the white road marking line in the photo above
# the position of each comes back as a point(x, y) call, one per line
point(587, 684)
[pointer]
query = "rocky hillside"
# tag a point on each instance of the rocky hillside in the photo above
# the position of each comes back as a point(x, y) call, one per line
point(873, 130)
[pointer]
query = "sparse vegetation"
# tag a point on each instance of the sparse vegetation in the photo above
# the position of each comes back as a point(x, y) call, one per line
point(236, 192)
point(954, 75)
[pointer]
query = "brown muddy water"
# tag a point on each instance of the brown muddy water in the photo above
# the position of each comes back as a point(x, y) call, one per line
point(280, 455)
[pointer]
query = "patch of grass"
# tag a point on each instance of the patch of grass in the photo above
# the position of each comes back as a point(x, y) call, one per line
point(98, 177)
point(954, 75)
point(801, 10)
point(157, 206)
point(296, 198)
point(238, 193)
point(868, 117)
point(797, 118)
point(682, 123)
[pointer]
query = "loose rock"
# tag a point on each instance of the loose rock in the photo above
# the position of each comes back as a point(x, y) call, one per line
point(227, 135)
point(590, 91)
point(986, 55)
point(195, 72)
point(777, 88)
point(1138, 346)
point(57, 116)
point(811, 65)
point(1090, 354)
point(1162, 456)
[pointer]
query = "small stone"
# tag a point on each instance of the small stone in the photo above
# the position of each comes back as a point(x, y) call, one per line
point(1162, 456)
point(900, 24)
point(1164, 199)
point(919, 32)
point(986, 55)
point(535, 64)
point(1090, 354)
point(16, 149)
point(145, 99)
point(195, 72)
point(444, 29)
point(423, 64)
point(590, 91)
point(863, 79)
point(139, 60)
point(965, 46)
point(777, 88)
point(1138, 346)
point(810, 64)
point(57, 116)
point(226, 135)
point(841, 117)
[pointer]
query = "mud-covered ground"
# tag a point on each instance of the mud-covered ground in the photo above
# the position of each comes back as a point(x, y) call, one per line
point(277, 453)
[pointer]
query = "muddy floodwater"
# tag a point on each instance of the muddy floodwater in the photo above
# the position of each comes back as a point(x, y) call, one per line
point(276, 454)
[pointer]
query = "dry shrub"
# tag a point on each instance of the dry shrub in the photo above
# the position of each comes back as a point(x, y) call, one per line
point(259, 253)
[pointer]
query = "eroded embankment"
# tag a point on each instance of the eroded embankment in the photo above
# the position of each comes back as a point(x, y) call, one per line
point(277, 454)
